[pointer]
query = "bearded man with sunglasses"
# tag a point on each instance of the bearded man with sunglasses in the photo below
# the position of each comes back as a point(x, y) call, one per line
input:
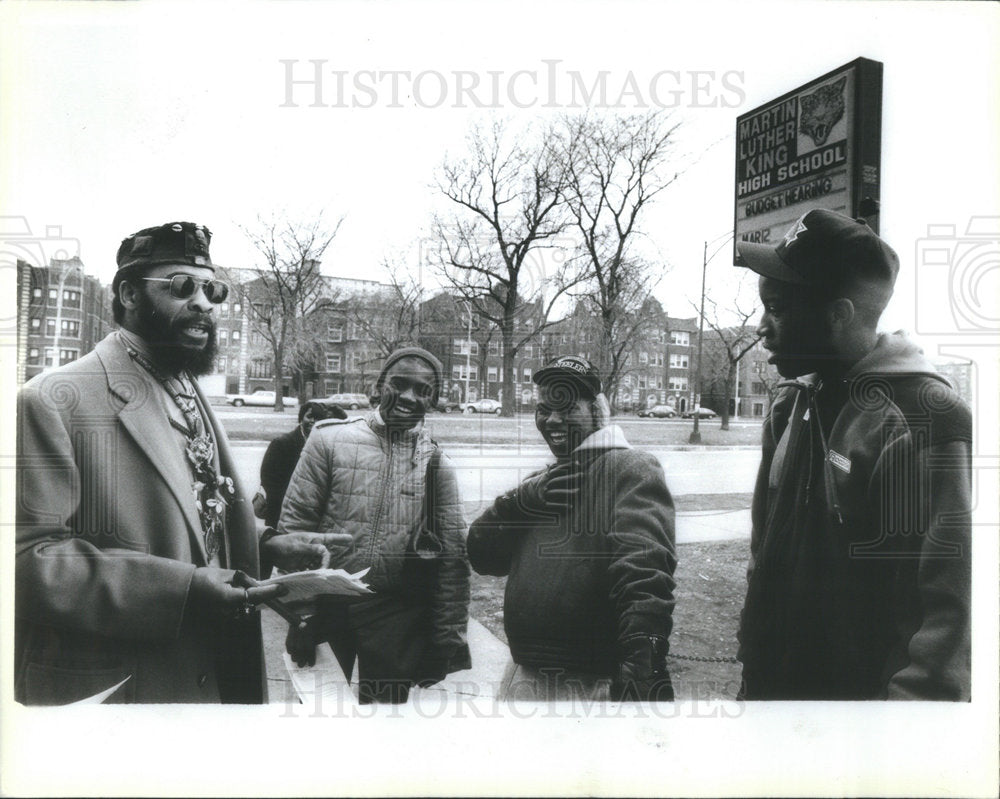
point(136, 546)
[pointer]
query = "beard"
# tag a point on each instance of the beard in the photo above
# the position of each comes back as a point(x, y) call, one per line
point(165, 339)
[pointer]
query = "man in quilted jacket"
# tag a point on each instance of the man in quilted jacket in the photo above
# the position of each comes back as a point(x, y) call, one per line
point(368, 476)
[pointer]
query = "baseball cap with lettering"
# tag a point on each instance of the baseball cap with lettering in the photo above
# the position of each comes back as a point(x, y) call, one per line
point(571, 367)
point(824, 249)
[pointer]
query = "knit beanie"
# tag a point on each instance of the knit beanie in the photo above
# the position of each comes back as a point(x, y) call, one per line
point(413, 352)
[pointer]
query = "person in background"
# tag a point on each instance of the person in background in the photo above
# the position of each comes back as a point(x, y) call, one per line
point(858, 584)
point(382, 480)
point(283, 452)
point(587, 545)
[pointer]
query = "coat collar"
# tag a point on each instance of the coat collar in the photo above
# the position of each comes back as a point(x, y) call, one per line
point(151, 430)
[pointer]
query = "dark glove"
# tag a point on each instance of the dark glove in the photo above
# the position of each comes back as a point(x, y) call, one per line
point(552, 491)
point(302, 640)
point(642, 674)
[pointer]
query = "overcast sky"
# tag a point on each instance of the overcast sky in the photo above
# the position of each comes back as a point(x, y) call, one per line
point(120, 116)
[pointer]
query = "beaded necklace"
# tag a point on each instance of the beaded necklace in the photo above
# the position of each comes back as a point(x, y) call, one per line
point(212, 493)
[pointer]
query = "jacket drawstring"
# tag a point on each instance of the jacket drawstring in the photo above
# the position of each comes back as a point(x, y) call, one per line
point(813, 419)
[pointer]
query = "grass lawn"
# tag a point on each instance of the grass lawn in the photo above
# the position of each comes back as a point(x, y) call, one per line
point(711, 584)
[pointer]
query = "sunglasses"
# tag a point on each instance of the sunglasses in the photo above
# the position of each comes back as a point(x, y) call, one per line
point(183, 287)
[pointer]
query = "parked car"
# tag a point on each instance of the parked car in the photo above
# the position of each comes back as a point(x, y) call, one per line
point(348, 401)
point(659, 412)
point(449, 406)
point(259, 398)
point(703, 413)
point(485, 405)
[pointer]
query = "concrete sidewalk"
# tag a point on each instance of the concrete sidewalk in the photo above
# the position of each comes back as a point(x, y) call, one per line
point(712, 525)
point(489, 658)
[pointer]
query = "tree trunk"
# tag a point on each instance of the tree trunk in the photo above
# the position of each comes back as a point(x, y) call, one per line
point(508, 404)
point(279, 405)
point(727, 392)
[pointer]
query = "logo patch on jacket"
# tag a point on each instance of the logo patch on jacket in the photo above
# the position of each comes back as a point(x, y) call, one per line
point(838, 460)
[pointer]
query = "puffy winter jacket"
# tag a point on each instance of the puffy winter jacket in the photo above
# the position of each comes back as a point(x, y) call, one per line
point(859, 577)
point(351, 479)
point(583, 582)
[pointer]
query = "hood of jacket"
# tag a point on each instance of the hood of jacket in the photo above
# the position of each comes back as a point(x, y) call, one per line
point(610, 437)
point(895, 353)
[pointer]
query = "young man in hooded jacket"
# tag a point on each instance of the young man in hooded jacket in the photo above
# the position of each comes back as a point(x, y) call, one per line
point(859, 575)
point(367, 477)
point(587, 545)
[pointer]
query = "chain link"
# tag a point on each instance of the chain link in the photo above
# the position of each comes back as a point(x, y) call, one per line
point(702, 659)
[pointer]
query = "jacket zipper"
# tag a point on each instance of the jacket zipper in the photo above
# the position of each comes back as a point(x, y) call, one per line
point(381, 504)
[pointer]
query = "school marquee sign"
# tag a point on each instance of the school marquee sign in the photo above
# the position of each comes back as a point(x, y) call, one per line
point(816, 146)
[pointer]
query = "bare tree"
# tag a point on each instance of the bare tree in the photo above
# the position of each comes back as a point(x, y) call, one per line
point(285, 294)
point(733, 342)
point(390, 319)
point(617, 167)
point(508, 194)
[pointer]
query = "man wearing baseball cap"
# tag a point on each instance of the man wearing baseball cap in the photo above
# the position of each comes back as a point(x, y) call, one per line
point(136, 548)
point(587, 545)
point(859, 577)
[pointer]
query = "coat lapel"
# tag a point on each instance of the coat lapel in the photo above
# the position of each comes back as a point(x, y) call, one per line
point(151, 431)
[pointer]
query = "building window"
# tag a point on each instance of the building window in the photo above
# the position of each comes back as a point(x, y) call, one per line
point(50, 327)
point(491, 374)
point(70, 328)
point(658, 359)
point(494, 348)
point(53, 294)
point(260, 367)
point(659, 382)
point(224, 310)
point(236, 335)
point(36, 294)
point(642, 381)
point(529, 351)
point(526, 375)
point(333, 362)
point(223, 336)
point(678, 361)
point(757, 388)
point(678, 384)
point(680, 337)
point(71, 298)
point(36, 324)
point(335, 334)
point(237, 308)
point(458, 372)
point(758, 409)
point(33, 356)
point(221, 364)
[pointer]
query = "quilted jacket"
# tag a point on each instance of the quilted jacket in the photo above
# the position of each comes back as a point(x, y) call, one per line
point(351, 478)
